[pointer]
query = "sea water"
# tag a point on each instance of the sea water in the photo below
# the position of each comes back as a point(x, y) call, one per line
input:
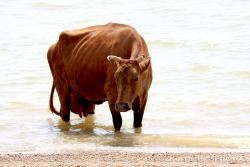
point(199, 98)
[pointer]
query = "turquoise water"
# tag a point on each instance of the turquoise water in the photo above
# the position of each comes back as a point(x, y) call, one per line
point(199, 97)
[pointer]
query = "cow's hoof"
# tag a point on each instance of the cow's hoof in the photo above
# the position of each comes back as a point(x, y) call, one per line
point(137, 130)
point(85, 114)
point(117, 127)
point(91, 112)
point(137, 125)
point(66, 119)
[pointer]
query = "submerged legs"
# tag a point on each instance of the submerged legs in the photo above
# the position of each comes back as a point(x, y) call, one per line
point(138, 109)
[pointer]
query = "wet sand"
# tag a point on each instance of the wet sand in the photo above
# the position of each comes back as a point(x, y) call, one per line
point(110, 158)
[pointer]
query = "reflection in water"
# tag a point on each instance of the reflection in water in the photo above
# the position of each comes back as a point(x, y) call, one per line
point(122, 139)
point(63, 126)
point(138, 130)
point(85, 130)
point(85, 125)
point(89, 123)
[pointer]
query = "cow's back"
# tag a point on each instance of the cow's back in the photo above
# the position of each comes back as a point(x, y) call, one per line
point(84, 53)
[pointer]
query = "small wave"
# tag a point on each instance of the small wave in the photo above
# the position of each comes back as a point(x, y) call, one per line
point(203, 45)
point(189, 141)
point(225, 106)
point(165, 11)
point(162, 43)
point(51, 6)
point(242, 74)
point(16, 105)
point(197, 67)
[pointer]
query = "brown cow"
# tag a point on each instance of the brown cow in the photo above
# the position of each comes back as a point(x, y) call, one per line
point(101, 63)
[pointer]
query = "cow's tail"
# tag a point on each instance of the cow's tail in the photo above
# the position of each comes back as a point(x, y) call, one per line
point(51, 105)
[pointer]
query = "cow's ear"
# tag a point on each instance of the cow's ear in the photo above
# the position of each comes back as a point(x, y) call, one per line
point(144, 63)
point(114, 59)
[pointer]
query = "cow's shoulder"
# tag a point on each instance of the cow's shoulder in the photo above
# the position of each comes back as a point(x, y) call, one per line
point(123, 31)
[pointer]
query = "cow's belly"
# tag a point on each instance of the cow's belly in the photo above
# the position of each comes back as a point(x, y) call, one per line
point(92, 91)
point(89, 84)
point(87, 70)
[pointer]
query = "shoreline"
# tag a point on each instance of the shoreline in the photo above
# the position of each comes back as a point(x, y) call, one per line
point(124, 158)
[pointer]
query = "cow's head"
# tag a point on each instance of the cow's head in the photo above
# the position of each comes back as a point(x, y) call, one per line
point(128, 80)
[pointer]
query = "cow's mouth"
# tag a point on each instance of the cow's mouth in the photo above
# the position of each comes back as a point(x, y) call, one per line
point(122, 107)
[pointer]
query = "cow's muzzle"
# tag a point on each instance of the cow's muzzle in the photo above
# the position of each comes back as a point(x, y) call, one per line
point(122, 107)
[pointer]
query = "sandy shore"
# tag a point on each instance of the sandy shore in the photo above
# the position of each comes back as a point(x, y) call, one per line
point(104, 158)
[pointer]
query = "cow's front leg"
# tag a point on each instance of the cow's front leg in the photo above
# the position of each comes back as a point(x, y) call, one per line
point(111, 93)
point(117, 119)
point(138, 108)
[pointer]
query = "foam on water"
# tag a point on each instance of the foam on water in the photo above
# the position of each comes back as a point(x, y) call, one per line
point(199, 97)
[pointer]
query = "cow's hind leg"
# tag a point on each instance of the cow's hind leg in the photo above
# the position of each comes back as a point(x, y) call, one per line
point(64, 97)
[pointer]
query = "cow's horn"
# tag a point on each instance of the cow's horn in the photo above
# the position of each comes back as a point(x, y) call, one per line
point(144, 64)
point(113, 58)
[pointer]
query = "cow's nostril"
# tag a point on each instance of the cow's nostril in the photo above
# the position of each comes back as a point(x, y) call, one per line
point(121, 106)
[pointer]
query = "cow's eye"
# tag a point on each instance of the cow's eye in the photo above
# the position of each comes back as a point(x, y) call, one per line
point(135, 79)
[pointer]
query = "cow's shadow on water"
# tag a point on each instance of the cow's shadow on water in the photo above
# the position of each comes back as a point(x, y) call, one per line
point(86, 131)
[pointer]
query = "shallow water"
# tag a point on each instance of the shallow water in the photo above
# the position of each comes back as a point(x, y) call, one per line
point(199, 98)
